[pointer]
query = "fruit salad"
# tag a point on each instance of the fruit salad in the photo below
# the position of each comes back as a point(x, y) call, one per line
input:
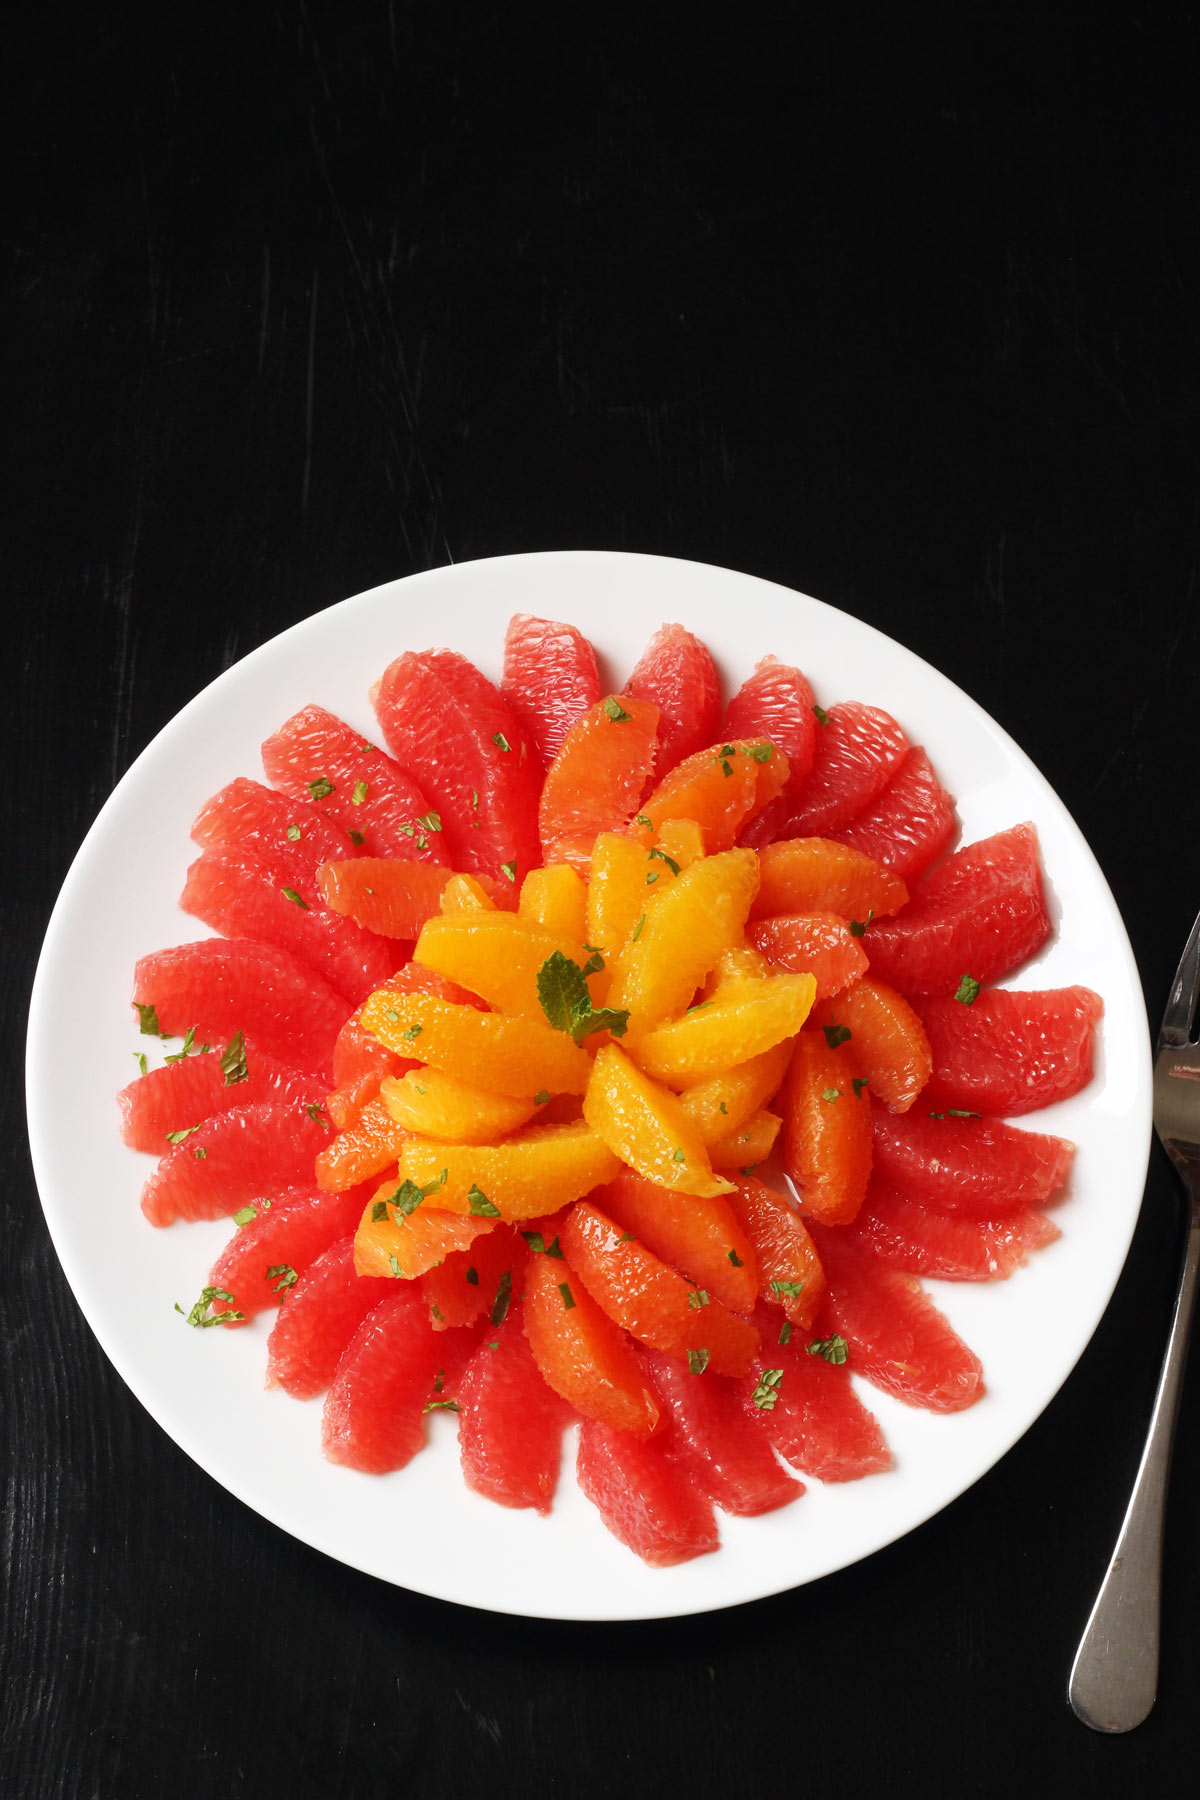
point(616, 1061)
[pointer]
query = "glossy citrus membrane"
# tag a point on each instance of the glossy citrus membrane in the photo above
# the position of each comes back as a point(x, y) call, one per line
point(595, 781)
point(686, 928)
point(391, 1242)
point(749, 1145)
point(723, 1104)
point(498, 957)
point(646, 1127)
point(582, 1354)
point(699, 1236)
point(555, 899)
point(504, 1053)
point(813, 875)
point(535, 1171)
point(744, 1021)
point(429, 1103)
point(890, 1045)
point(720, 788)
point(618, 894)
point(827, 1134)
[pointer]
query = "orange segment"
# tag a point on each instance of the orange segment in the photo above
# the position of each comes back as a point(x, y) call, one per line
point(720, 1106)
point(429, 1103)
point(888, 1039)
point(738, 964)
point(594, 782)
point(555, 898)
point(683, 841)
point(827, 1130)
point(405, 1245)
point(646, 1127)
point(498, 956)
point(467, 894)
point(649, 1300)
point(621, 889)
point(721, 788)
point(806, 875)
point(537, 1171)
point(582, 1355)
point(741, 1022)
point(372, 1142)
point(751, 1144)
point(822, 943)
point(687, 927)
point(787, 1257)
point(700, 1237)
point(508, 1055)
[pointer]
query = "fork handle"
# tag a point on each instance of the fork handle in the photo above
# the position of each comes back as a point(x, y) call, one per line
point(1115, 1676)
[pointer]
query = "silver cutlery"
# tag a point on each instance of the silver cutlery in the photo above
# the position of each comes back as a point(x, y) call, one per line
point(1115, 1676)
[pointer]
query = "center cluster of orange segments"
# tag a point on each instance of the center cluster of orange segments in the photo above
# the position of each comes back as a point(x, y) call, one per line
point(629, 1149)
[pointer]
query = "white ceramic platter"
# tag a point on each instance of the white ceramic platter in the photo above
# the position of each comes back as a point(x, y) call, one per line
point(420, 1528)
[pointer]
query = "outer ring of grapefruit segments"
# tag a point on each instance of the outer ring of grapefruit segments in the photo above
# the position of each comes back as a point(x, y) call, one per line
point(204, 1388)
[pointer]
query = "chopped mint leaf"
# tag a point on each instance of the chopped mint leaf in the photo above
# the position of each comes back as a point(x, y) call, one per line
point(651, 878)
point(177, 1137)
point(294, 833)
point(568, 1298)
point(858, 926)
point(503, 1297)
point(389, 1012)
point(407, 1197)
point(435, 1309)
point(197, 1315)
point(697, 1361)
point(677, 1154)
point(361, 790)
point(474, 800)
point(287, 1277)
point(441, 1406)
point(481, 1206)
point(833, 1349)
point(148, 1020)
point(321, 787)
point(396, 1269)
point(439, 1381)
point(500, 741)
point(748, 1169)
point(760, 753)
point(616, 711)
point(858, 1083)
point(968, 990)
point(414, 1031)
point(356, 837)
point(234, 1066)
point(822, 715)
point(767, 1392)
point(430, 821)
point(669, 860)
point(785, 1332)
point(727, 767)
point(937, 1115)
point(626, 1237)
point(296, 899)
point(472, 1276)
point(139, 1057)
point(735, 1259)
point(728, 749)
point(791, 1289)
point(317, 1115)
point(189, 1038)
point(541, 1097)
point(831, 1094)
point(563, 992)
point(641, 819)
point(836, 1034)
point(540, 1247)
point(957, 1112)
point(200, 1153)
point(636, 933)
point(245, 1215)
point(509, 869)
point(379, 1212)
point(698, 1298)
point(595, 961)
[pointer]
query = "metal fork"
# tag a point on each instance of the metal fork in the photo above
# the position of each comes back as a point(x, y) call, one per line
point(1115, 1676)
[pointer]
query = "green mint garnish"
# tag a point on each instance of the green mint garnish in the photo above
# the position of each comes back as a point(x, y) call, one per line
point(831, 1094)
point(785, 1332)
point(541, 1097)
point(361, 790)
point(937, 1115)
point(503, 1297)
point(430, 821)
point(760, 753)
point(540, 1247)
point(408, 1196)
point(287, 1276)
point(677, 1154)
point(177, 1137)
point(139, 1057)
point(697, 1361)
point(317, 1115)
point(822, 715)
point(568, 1298)
point(791, 1289)
point(957, 1112)
point(500, 741)
point(356, 837)
point(563, 993)
point(200, 1153)
point(833, 1349)
point(698, 1298)
point(641, 819)
point(389, 1012)
point(858, 1083)
point(197, 1315)
point(669, 860)
point(321, 787)
point(296, 899)
point(379, 1211)
point(636, 933)
point(836, 1034)
point(472, 1276)
point(441, 1406)
point(735, 1259)
point(767, 1392)
point(968, 990)
point(481, 1206)
point(396, 1269)
point(435, 1309)
point(245, 1216)
point(509, 869)
point(414, 1032)
point(148, 1020)
point(651, 878)
point(859, 926)
point(616, 711)
point(293, 832)
point(189, 1039)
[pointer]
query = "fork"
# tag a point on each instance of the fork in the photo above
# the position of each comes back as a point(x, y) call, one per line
point(1114, 1679)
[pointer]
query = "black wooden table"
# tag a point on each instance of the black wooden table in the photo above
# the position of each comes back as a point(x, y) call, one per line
point(310, 298)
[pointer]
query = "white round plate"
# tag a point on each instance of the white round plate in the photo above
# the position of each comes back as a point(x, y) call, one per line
point(420, 1528)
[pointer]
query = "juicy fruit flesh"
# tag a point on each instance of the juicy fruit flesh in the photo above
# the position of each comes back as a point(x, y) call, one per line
point(461, 1099)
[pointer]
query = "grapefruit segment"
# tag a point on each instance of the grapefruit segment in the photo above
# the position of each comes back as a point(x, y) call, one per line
point(477, 1282)
point(646, 1500)
point(776, 703)
point(975, 1166)
point(317, 1320)
point(908, 825)
point(719, 789)
point(895, 1335)
point(821, 943)
point(582, 1355)
point(858, 749)
point(594, 783)
point(724, 1457)
point(677, 675)
point(826, 1130)
point(391, 1242)
point(395, 899)
point(981, 913)
point(550, 680)
point(196, 1088)
point(951, 1247)
point(811, 1413)
point(225, 985)
point(290, 834)
point(284, 1238)
point(456, 735)
point(235, 1157)
point(789, 1273)
point(318, 758)
point(391, 1373)
point(371, 1144)
point(1009, 1051)
point(701, 1238)
point(889, 1041)
point(510, 1422)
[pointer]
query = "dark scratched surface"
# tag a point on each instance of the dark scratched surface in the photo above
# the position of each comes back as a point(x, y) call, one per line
point(304, 299)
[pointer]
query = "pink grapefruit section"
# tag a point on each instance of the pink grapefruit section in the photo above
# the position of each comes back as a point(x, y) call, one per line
point(1010, 1052)
point(550, 679)
point(676, 673)
point(908, 825)
point(644, 1497)
point(235, 1157)
point(284, 1238)
point(317, 1320)
point(723, 1455)
point(812, 1414)
point(949, 1247)
point(195, 1088)
point(980, 1167)
point(511, 1423)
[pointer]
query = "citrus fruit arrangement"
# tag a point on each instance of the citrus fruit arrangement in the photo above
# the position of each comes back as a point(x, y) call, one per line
point(614, 1058)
